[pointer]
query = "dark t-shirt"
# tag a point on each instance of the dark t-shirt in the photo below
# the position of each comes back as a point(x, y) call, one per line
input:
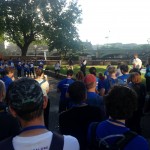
point(76, 120)
point(9, 126)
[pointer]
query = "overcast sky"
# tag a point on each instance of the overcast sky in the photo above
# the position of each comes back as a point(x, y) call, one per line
point(109, 21)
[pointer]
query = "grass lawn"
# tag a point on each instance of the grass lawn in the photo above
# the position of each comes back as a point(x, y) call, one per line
point(76, 68)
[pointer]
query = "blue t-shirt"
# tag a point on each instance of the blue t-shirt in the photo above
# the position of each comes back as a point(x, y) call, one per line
point(105, 129)
point(106, 73)
point(124, 77)
point(63, 86)
point(94, 99)
point(108, 83)
point(7, 81)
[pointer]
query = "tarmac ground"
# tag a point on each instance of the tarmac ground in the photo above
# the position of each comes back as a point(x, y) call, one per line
point(54, 101)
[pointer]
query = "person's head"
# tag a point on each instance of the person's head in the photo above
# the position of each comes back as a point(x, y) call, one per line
point(90, 81)
point(108, 66)
point(77, 92)
point(135, 55)
point(39, 72)
point(111, 70)
point(9, 71)
point(70, 72)
point(135, 77)
point(124, 68)
point(120, 102)
point(100, 74)
point(92, 70)
point(2, 91)
point(80, 76)
point(25, 99)
point(135, 70)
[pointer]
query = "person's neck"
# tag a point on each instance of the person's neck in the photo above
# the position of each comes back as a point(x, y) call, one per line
point(112, 121)
point(39, 77)
point(91, 90)
point(31, 123)
point(69, 77)
point(8, 76)
point(36, 122)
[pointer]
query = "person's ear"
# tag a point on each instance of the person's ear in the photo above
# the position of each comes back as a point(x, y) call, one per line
point(12, 111)
point(45, 102)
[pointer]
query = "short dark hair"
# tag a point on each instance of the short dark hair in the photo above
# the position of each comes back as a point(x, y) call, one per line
point(135, 70)
point(92, 70)
point(69, 72)
point(9, 70)
point(120, 102)
point(25, 96)
point(124, 68)
point(77, 92)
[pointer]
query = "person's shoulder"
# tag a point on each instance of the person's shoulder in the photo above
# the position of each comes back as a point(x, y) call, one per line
point(70, 142)
point(62, 81)
point(7, 144)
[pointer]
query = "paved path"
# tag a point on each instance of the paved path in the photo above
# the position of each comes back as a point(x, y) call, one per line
point(54, 100)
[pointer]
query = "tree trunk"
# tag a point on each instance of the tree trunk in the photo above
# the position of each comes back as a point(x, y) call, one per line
point(24, 50)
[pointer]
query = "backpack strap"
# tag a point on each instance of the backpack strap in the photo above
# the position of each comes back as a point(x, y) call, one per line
point(123, 141)
point(57, 142)
point(42, 82)
point(7, 144)
point(92, 137)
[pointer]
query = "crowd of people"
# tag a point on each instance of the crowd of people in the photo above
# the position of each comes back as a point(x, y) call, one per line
point(96, 110)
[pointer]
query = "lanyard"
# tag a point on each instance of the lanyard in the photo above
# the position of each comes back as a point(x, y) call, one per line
point(32, 128)
point(78, 105)
point(115, 121)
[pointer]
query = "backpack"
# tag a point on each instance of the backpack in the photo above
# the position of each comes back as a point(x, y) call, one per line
point(56, 144)
point(102, 144)
point(42, 82)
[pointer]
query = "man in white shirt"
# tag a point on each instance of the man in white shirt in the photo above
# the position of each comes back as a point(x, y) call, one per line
point(137, 63)
point(26, 102)
point(57, 68)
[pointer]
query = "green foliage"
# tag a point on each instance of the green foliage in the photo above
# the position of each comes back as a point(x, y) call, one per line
point(25, 21)
point(76, 68)
point(61, 31)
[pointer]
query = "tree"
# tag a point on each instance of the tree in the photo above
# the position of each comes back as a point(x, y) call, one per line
point(26, 20)
point(61, 31)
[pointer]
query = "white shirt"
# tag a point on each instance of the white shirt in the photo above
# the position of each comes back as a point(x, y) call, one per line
point(44, 86)
point(43, 142)
point(57, 66)
point(137, 63)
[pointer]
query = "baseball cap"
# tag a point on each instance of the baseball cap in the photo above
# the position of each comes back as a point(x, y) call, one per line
point(25, 95)
point(89, 78)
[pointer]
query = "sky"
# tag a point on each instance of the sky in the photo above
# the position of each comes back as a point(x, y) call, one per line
point(113, 21)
